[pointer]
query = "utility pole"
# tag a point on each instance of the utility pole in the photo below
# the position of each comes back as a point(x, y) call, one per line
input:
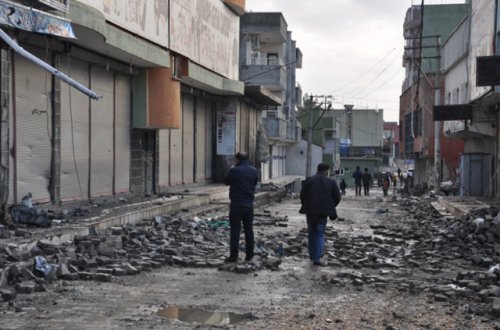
point(309, 136)
point(312, 126)
point(437, 124)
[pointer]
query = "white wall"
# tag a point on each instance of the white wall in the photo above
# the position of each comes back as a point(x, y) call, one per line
point(296, 158)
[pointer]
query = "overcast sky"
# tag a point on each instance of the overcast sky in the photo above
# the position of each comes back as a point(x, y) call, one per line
point(352, 49)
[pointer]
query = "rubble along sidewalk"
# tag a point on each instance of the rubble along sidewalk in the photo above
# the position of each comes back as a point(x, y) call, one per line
point(176, 199)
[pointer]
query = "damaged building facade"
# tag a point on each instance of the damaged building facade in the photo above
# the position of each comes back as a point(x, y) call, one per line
point(466, 108)
point(269, 58)
point(169, 108)
point(421, 61)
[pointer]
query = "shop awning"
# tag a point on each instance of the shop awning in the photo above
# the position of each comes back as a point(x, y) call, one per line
point(21, 17)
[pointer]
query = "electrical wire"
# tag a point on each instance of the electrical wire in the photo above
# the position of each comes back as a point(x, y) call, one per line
point(364, 73)
point(72, 128)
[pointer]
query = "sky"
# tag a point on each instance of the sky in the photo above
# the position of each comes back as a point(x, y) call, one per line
point(352, 49)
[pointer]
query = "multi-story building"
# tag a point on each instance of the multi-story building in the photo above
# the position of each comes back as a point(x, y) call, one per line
point(421, 60)
point(470, 110)
point(269, 58)
point(349, 138)
point(391, 142)
point(166, 107)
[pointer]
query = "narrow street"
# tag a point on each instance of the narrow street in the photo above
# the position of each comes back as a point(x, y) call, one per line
point(391, 263)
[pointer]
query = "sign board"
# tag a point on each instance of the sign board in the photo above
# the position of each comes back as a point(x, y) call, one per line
point(226, 132)
point(482, 36)
point(207, 32)
point(488, 71)
point(146, 18)
point(452, 112)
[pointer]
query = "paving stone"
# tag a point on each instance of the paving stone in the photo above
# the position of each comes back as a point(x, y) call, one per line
point(25, 287)
point(103, 277)
point(495, 307)
point(8, 295)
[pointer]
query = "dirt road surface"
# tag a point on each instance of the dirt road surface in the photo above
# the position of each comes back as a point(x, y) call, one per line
point(373, 279)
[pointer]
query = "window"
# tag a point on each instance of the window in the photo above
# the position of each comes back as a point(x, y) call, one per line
point(329, 134)
point(255, 41)
point(254, 58)
point(272, 59)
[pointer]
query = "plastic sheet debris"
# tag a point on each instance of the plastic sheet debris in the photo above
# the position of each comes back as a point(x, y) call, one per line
point(29, 215)
point(382, 211)
point(159, 220)
point(42, 266)
point(478, 221)
point(493, 268)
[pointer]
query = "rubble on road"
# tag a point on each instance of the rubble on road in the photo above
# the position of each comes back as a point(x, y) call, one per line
point(183, 241)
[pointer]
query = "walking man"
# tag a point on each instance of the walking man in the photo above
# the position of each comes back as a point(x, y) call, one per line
point(357, 175)
point(319, 196)
point(241, 180)
point(367, 182)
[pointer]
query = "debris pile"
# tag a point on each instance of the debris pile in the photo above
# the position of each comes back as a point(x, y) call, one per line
point(131, 249)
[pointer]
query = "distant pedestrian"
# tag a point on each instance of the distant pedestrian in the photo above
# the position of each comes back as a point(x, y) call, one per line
point(367, 182)
point(385, 185)
point(343, 186)
point(319, 196)
point(357, 175)
point(242, 179)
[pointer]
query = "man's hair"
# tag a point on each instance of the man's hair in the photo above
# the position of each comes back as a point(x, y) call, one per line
point(322, 167)
point(357, 167)
point(366, 169)
point(241, 155)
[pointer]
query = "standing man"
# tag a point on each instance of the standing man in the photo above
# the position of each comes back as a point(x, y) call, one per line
point(357, 175)
point(367, 182)
point(241, 180)
point(319, 196)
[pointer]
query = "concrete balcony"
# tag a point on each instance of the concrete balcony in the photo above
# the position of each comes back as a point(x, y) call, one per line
point(273, 77)
point(275, 128)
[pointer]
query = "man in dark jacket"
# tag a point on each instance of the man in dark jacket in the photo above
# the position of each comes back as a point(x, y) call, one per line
point(319, 197)
point(367, 182)
point(357, 175)
point(241, 180)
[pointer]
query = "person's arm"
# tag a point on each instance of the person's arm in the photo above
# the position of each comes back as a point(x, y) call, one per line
point(229, 178)
point(303, 191)
point(335, 194)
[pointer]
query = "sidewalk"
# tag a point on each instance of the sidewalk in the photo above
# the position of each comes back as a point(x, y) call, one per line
point(174, 200)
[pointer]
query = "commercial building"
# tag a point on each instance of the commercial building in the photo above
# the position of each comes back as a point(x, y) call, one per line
point(166, 107)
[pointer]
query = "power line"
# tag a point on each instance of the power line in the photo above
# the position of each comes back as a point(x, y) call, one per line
point(366, 72)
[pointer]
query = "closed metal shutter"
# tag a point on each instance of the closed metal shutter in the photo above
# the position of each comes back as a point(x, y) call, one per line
point(33, 129)
point(164, 157)
point(176, 156)
point(209, 144)
point(101, 146)
point(188, 138)
point(122, 133)
point(75, 124)
point(200, 134)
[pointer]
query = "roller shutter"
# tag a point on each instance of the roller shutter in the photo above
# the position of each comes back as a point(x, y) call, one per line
point(101, 146)
point(164, 157)
point(188, 138)
point(122, 133)
point(33, 128)
point(75, 124)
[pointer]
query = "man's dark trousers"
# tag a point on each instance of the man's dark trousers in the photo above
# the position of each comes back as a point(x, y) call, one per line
point(316, 225)
point(237, 215)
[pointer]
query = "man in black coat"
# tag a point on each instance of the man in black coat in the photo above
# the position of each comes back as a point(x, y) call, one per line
point(241, 180)
point(319, 197)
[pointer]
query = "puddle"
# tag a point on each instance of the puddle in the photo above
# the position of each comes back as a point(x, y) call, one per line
point(201, 316)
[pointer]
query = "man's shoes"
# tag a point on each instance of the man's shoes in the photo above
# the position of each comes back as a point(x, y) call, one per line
point(230, 260)
point(318, 263)
point(249, 258)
